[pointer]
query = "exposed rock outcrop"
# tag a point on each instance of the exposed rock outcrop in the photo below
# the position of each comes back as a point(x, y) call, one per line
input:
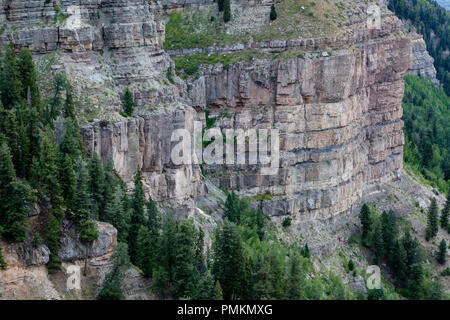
point(423, 63)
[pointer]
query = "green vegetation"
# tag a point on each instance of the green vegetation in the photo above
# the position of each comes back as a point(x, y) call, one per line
point(273, 12)
point(402, 253)
point(127, 103)
point(427, 133)
point(433, 23)
point(442, 253)
point(432, 221)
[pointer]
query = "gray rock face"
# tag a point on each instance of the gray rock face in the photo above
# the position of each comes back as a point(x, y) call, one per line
point(73, 249)
point(423, 63)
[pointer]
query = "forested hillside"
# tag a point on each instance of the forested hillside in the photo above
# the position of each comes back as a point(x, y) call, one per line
point(433, 22)
point(426, 112)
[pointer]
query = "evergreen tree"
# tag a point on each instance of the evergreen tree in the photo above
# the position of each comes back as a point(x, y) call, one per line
point(69, 105)
point(143, 254)
point(82, 201)
point(366, 222)
point(28, 76)
point(7, 177)
point(166, 250)
point(399, 262)
point(185, 273)
point(273, 12)
point(20, 201)
point(96, 185)
point(53, 234)
point(3, 264)
point(305, 251)
point(232, 210)
point(389, 230)
point(137, 214)
point(55, 104)
point(229, 266)
point(112, 285)
point(68, 181)
point(10, 84)
point(260, 223)
point(71, 141)
point(109, 189)
point(432, 222)
point(226, 11)
point(445, 214)
point(442, 253)
point(220, 4)
point(296, 279)
point(416, 281)
point(127, 102)
point(217, 294)
point(378, 244)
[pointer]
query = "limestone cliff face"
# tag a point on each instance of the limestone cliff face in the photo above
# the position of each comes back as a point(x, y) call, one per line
point(339, 118)
point(423, 63)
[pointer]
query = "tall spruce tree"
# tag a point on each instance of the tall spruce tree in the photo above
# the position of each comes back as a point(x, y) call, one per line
point(137, 214)
point(185, 273)
point(442, 253)
point(68, 182)
point(226, 10)
point(432, 221)
point(96, 185)
point(10, 84)
point(28, 75)
point(366, 222)
point(296, 279)
point(143, 253)
point(378, 244)
point(445, 214)
point(229, 262)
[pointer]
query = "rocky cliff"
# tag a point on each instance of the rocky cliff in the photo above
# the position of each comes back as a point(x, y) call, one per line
point(333, 91)
point(337, 105)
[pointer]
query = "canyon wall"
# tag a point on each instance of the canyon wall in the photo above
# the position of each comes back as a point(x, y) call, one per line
point(337, 106)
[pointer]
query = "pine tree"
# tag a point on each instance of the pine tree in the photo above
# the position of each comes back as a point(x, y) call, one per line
point(71, 142)
point(28, 76)
point(305, 251)
point(445, 214)
point(111, 289)
point(53, 234)
point(366, 222)
point(68, 181)
point(21, 198)
point(389, 230)
point(296, 279)
point(230, 265)
point(260, 223)
point(442, 253)
point(232, 210)
point(143, 254)
point(137, 214)
point(82, 201)
point(226, 11)
point(96, 185)
point(69, 105)
point(3, 264)
point(416, 281)
point(7, 176)
point(217, 294)
point(127, 102)
point(166, 250)
point(10, 84)
point(273, 12)
point(378, 244)
point(220, 4)
point(399, 262)
point(432, 222)
point(184, 269)
point(109, 190)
